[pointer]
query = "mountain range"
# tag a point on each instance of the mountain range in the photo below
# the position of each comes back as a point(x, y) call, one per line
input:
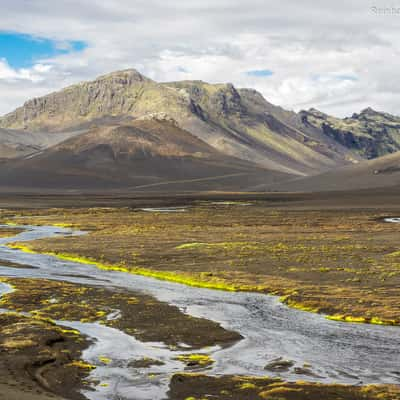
point(125, 131)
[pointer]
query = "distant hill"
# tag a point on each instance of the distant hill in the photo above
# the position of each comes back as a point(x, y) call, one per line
point(16, 143)
point(381, 172)
point(144, 155)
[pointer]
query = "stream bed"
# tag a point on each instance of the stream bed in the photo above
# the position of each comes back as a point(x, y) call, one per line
point(336, 351)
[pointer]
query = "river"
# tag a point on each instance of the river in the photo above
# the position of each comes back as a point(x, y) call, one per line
point(337, 352)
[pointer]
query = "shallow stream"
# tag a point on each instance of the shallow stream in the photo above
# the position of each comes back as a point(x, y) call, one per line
point(336, 351)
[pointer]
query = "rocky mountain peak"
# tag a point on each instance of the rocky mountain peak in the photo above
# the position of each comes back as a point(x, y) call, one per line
point(370, 133)
point(113, 94)
point(221, 99)
point(369, 110)
point(127, 76)
point(366, 113)
point(314, 112)
point(227, 100)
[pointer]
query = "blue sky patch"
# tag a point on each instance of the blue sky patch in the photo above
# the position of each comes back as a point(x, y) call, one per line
point(260, 73)
point(22, 51)
point(182, 69)
point(346, 77)
point(337, 77)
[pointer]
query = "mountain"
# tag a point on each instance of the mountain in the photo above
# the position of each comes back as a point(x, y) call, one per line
point(237, 122)
point(370, 133)
point(378, 173)
point(126, 130)
point(145, 154)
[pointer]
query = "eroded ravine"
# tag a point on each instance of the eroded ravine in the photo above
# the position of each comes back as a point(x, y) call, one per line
point(337, 352)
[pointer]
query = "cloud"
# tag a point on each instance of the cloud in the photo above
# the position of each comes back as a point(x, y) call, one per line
point(351, 49)
point(36, 73)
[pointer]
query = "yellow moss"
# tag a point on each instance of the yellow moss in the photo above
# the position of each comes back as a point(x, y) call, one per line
point(200, 359)
point(346, 318)
point(9, 223)
point(300, 306)
point(247, 385)
point(373, 320)
point(21, 247)
point(379, 321)
point(72, 331)
point(105, 360)
point(162, 275)
point(17, 343)
point(43, 319)
point(278, 390)
point(229, 246)
point(132, 300)
point(190, 246)
point(100, 314)
point(81, 364)
point(62, 225)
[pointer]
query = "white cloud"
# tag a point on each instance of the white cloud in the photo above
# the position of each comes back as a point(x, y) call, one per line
point(36, 73)
point(306, 44)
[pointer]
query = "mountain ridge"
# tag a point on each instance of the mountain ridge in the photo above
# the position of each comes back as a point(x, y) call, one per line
point(369, 133)
point(232, 120)
point(241, 127)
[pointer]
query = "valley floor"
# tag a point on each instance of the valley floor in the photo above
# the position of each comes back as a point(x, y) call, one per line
point(319, 254)
point(344, 263)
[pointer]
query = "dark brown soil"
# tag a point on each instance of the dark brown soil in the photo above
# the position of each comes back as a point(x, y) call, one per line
point(199, 387)
point(36, 360)
point(7, 232)
point(386, 198)
point(10, 264)
point(40, 361)
point(142, 316)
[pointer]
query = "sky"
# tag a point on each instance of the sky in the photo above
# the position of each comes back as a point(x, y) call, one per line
point(339, 57)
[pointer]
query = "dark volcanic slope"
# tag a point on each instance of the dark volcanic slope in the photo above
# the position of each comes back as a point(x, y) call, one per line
point(381, 172)
point(144, 155)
